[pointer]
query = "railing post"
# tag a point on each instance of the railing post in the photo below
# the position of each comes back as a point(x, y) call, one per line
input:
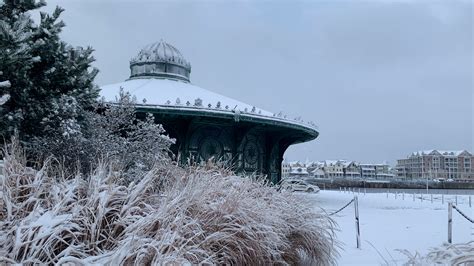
point(470, 202)
point(456, 197)
point(413, 196)
point(450, 222)
point(442, 199)
point(431, 198)
point(403, 195)
point(356, 209)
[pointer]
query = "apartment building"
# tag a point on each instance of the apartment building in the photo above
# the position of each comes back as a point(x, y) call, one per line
point(437, 164)
point(376, 171)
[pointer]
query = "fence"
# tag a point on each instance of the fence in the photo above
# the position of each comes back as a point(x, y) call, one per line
point(451, 206)
point(355, 200)
point(420, 196)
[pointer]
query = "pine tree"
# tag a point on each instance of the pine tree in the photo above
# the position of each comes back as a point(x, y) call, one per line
point(47, 84)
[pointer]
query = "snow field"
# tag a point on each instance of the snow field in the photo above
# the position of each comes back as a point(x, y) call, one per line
point(389, 222)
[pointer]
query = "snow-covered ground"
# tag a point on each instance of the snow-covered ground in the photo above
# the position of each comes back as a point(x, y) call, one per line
point(387, 224)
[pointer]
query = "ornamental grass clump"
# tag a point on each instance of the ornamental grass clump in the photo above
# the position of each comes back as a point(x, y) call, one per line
point(171, 215)
point(446, 254)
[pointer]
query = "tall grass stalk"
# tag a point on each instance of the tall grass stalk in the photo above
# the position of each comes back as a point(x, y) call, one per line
point(171, 215)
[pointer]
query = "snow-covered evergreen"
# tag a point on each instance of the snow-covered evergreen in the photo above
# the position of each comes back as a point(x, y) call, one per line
point(39, 72)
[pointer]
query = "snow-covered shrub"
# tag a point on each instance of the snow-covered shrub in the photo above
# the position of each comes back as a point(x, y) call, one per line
point(111, 132)
point(447, 254)
point(135, 145)
point(172, 215)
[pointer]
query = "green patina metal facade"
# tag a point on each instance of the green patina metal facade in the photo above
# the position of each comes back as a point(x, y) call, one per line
point(247, 145)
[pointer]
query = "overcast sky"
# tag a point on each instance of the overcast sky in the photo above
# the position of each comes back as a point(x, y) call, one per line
point(380, 78)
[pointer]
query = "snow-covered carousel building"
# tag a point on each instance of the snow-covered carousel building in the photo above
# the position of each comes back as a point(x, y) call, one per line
point(206, 125)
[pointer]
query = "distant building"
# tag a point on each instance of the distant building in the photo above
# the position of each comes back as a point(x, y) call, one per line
point(297, 169)
point(317, 173)
point(437, 164)
point(333, 168)
point(376, 171)
point(368, 171)
point(340, 168)
point(351, 169)
point(285, 169)
point(337, 169)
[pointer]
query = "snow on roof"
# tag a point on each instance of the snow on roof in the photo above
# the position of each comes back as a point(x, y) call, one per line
point(425, 152)
point(373, 164)
point(344, 163)
point(315, 164)
point(452, 153)
point(445, 153)
point(296, 164)
point(330, 162)
point(299, 170)
point(175, 93)
point(167, 92)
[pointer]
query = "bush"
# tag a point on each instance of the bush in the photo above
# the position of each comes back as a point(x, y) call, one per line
point(112, 132)
point(172, 215)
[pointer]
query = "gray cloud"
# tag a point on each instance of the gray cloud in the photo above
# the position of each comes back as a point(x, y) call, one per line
point(381, 79)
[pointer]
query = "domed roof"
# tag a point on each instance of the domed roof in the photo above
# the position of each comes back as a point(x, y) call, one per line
point(160, 82)
point(160, 59)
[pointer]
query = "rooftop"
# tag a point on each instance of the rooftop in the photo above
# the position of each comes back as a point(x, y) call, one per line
point(159, 80)
point(439, 152)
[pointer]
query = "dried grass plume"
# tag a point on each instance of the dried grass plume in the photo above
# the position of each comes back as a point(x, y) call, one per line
point(172, 215)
